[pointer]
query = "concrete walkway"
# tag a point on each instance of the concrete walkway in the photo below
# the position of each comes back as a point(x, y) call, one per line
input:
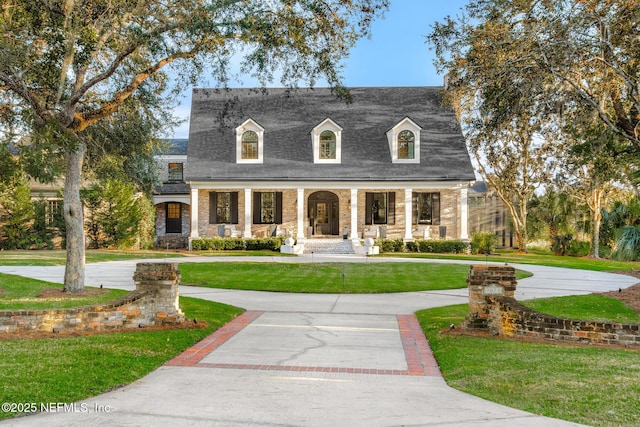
point(307, 360)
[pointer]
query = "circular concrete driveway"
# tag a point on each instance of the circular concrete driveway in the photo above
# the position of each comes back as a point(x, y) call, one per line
point(307, 360)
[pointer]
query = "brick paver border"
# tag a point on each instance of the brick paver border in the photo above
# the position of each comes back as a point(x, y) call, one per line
point(200, 350)
point(420, 359)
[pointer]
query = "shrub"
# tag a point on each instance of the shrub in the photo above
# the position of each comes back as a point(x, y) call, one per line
point(113, 214)
point(217, 244)
point(411, 247)
point(268, 243)
point(237, 244)
point(390, 245)
point(483, 243)
point(16, 230)
point(441, 246)
point(578, 248)
point(628, 244)
point(147, 226)
point(561, 244)
point(233, 244)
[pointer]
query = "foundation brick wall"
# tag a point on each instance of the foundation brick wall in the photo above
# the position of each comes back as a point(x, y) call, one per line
point(154, 302)
point(492, 305)
point(509, 318)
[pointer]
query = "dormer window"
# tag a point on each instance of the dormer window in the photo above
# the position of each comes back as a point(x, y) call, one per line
point(249, 145)
point(327, 142)
point(406, 145)
point(249, 142)
point(404, 142)
point(327, 145)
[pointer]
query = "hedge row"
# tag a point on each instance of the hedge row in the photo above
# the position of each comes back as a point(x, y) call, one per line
point(422, 245)
point(237, 244)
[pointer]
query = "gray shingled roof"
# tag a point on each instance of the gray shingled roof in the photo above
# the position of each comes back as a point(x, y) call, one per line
point(288, 117)
point(173, 188)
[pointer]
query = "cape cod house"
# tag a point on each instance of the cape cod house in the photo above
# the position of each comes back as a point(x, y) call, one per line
point(391, 162)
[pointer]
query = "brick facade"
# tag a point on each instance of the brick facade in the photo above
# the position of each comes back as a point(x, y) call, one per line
point(450, 215)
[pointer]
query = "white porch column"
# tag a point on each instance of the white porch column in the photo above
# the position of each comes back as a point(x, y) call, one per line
point(464, 214)
point(248, 217)
point(194, 214)
point(300, 233)
point(354, 214)
point(408, 213)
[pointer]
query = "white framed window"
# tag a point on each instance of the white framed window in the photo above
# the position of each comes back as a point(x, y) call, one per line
point(404, 142)
point(326, 140)
point(249, 142)
point(406, 145)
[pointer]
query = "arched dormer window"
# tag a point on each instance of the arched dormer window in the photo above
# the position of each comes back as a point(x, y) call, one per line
point(249, 145)
point(404, 142)
point(249, 142)
point(406, 145)
point(327, 145)
point(326, 141)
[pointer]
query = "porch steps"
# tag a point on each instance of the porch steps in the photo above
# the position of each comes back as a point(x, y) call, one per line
point(328, 246)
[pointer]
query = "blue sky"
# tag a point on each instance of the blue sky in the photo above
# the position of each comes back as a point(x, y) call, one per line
point(395, 55)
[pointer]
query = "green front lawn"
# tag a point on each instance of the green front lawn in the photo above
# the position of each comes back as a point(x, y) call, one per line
point(596, 308)
point(72, 369)
point(58, 257)
point(532, 257)
point(359, 278)
point(588, 385)
point(19, 292)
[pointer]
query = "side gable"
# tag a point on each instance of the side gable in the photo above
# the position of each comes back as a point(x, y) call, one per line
point(288, 117)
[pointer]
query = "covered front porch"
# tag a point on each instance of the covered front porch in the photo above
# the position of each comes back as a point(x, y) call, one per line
point(317, 210)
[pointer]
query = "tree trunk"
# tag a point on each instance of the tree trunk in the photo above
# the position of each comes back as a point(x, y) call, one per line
point(73, 217)
point(595, 237)
point(518, 221)
point(595, 203)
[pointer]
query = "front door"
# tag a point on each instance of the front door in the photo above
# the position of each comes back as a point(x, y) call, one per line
point(322, 218)
point(323, 214)
point(174, 218)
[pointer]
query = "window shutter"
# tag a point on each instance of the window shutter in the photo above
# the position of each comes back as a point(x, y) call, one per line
point(257, 206)
point(234, 208)
point(368, 208)
point(278, 215)
point(414, 208)
point(213, 208)
point(435, 208)
point(391, 208)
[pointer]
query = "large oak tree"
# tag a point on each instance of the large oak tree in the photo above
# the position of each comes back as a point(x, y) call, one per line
point(528, 65)
point(498, 94)
point(67, 65)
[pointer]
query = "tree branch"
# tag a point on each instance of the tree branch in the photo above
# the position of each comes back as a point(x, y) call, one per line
point(83, 120)
point(20, 88)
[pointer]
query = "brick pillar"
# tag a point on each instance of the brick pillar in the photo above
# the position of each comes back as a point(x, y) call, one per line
point(485, 281)
point(162, 279)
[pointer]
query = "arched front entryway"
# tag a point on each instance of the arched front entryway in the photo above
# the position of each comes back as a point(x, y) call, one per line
point(324, 217)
